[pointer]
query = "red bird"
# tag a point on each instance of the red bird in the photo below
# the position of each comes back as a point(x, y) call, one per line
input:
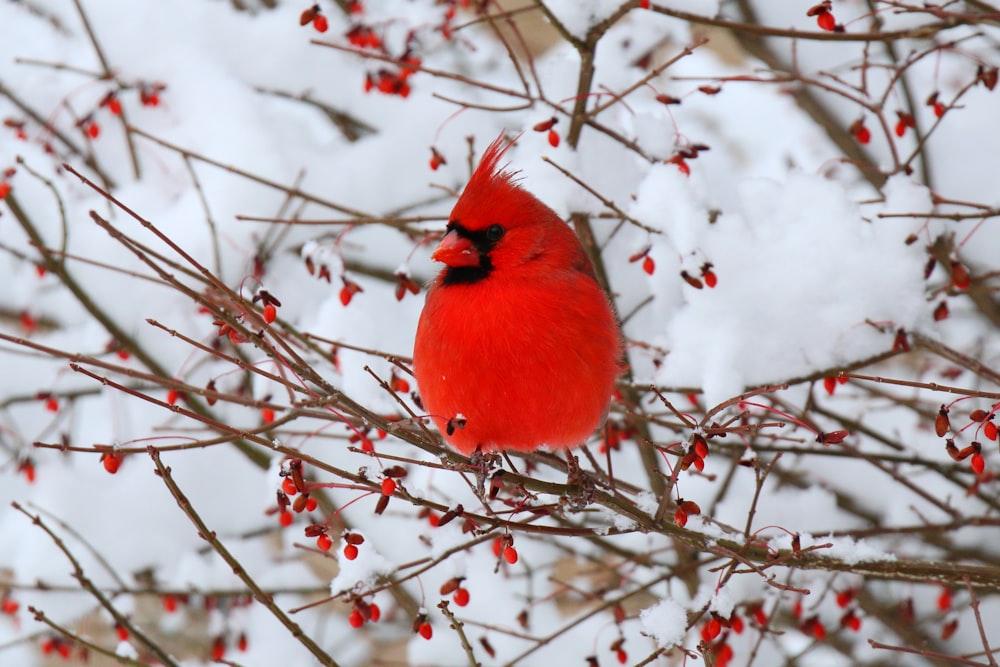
point(517, 346)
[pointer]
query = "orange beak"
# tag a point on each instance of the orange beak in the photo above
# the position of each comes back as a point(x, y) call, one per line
point(455, 250)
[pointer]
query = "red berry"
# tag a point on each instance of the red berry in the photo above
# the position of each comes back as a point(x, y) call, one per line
point(93, 130)
point(711, 630)
point(388, 486)
point(711, 280)
point(270, 313)
point(900, 128)
point(323, 542)
point(112, 461)
point(959, 276)
point(620, 654)
point(285, 518)
point(826, 21)
point(122, 632)
point(844, 598)
point(436, 158)
point(683, 167)
point(218, 648)
point(350, 552)
point(172, 396)
point(978, 463)
point(242, 642)
point(863, 135)
point(461, 597)
point(510, 554)
point(311, 504)
point(115, 106)
point(267, 415)
point(553, 138)
point(52, 404)
point(169, 604)
point(643, 4)
point(759, 616)
point(9, 606)
point(374, 613)
point(701, 448)
point(399, 384)
point(693, 281)
point(851, 621)
point(648, 265)
point(320, 23)
point(941, 422)
point(724, 656)
point(299, 503)
point(356, 619)
point(737, 625)
point(545, 125)
point(4, 189)
point(680, 518)
point(28, 322)
point(426, 630)
point(990, 431)
point(346, 295)
point(288, 486)
point(938, 109)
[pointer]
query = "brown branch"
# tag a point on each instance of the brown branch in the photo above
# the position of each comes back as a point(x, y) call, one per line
point(95, 592)
point(259, 593)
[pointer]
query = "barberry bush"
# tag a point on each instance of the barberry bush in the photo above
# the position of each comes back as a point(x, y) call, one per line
point(214, 238)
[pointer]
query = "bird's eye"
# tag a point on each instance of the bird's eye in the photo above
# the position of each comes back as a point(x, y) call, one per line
point(494, 233)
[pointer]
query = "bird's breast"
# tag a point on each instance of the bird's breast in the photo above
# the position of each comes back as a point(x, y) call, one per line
point(526, 362)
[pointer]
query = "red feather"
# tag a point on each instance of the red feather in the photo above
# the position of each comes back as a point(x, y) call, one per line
point(529, 352)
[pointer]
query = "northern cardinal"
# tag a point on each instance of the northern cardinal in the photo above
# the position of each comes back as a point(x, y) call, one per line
point(517, 345)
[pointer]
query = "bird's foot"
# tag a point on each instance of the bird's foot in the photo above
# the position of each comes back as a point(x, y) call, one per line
point(581, 485)
point(488, 467)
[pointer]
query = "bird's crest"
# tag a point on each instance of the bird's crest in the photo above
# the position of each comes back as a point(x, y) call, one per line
point(491, 187)
point(489, 170)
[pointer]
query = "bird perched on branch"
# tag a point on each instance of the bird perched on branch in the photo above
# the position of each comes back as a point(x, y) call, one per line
point(517, 345)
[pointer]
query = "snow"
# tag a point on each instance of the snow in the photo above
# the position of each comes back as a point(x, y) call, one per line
point(363, 572)
point(723, 603)
point(803, 227)
point(126, 650)
point(853, 552)
point(665, 622)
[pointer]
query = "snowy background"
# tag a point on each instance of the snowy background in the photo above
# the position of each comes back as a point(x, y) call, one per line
point(235, 150)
